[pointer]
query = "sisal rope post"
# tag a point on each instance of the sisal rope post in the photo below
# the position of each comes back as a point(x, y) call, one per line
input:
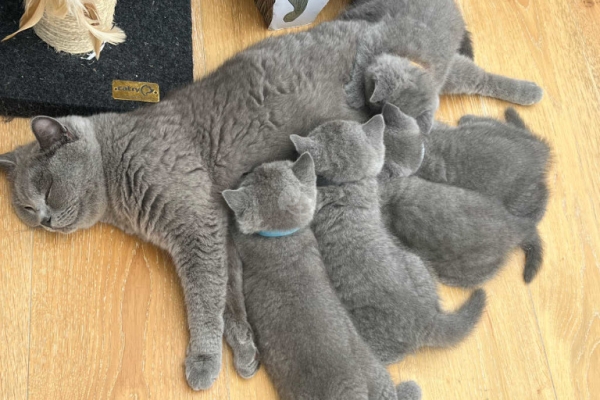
point(67, 34)
point(72, 26)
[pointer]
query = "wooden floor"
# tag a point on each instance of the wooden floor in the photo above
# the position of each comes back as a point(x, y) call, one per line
point(99, 314)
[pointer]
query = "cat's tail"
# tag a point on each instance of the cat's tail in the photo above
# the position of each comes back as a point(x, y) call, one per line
point(408, 390)
point(512, 117)
point(450, 328)
point(534, 254)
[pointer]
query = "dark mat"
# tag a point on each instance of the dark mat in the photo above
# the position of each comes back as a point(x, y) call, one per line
point(35, 79)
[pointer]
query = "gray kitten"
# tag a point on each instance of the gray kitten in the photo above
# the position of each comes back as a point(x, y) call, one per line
point(501, 160)
point(307, 341)
point(505, 161)
point(388, 291)
point(158, 172)
point(396, 80)
point(464, 234)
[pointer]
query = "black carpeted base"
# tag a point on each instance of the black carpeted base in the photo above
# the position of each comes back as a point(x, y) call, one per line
point(35, 79)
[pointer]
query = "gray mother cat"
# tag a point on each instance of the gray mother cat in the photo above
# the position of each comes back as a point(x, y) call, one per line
point(158, 171)
point(306, 339)
point(387, 290)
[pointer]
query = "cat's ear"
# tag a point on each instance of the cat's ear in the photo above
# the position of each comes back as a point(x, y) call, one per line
point(425, 121)
point(49, 131)
point(238, 200)
point(303, 144)
point(373, 129)
point(382, 90)
point(395, 118)
point(8, 161)
point(304, 169)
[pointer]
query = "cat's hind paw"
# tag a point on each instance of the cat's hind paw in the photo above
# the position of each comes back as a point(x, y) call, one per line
point(526, 93)
point(245, 359)
point(408, 391)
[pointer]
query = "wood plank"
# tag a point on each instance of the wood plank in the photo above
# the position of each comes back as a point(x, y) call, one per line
point(550, 41)
point(107, 316)
point(15, 281)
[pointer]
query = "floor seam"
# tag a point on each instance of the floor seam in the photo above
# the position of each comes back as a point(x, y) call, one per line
point(537, 322)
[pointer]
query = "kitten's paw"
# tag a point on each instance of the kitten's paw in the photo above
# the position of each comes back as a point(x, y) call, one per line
point(201, 370)
point(529, 94)
point(408, 391)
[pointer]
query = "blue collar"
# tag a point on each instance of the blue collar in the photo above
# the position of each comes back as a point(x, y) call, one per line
point(272, 234)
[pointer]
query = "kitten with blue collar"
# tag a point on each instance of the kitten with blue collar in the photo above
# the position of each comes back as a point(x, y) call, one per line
point(306, 339)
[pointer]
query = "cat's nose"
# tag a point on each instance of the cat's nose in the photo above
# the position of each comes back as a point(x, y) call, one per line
point(46, 222)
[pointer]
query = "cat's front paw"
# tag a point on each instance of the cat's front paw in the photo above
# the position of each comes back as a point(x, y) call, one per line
point(201, 370)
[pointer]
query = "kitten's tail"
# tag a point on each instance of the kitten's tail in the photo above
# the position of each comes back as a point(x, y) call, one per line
point(512, 117)
point(534, 253)
point(408, 391)
point(450, 328)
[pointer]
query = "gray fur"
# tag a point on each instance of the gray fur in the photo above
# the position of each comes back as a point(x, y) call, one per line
point(431, 34)
point(388, 291)
point(407, 85)
point(464, 233)
point(157, 172)
point(501, 160)
point(307, 341)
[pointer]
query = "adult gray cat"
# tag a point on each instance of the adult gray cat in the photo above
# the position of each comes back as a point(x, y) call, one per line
point(306, 339)
point(388, 291)
point(463, 235)
point(158, 171)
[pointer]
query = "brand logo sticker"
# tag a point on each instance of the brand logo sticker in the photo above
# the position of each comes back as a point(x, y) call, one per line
point(135, 91)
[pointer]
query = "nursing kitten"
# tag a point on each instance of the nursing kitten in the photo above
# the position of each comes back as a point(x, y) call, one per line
point(501, 160)
point(307, 341)
point(158, 172)
point(463, 234)
point(388, 291)
point(395, 80)
point(441, 48)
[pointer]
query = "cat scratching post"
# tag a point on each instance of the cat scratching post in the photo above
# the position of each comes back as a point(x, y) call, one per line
point(68, 34)
point(155, 59)
point(72, 26)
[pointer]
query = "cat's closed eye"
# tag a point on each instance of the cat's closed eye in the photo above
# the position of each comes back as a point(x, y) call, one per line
point(29, 209)
point(47, 193)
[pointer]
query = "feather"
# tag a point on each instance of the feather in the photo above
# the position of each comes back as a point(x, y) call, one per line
point(34, 11)
point(59, 8)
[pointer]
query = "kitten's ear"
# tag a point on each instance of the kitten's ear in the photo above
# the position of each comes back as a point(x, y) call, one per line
point(382, 90)
point(303, 144)
point(425, 122)
point(304, 169)
point(374, 128)
point(49, 131)
point(395, 118)
point(237, 200)
point(8, 161)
